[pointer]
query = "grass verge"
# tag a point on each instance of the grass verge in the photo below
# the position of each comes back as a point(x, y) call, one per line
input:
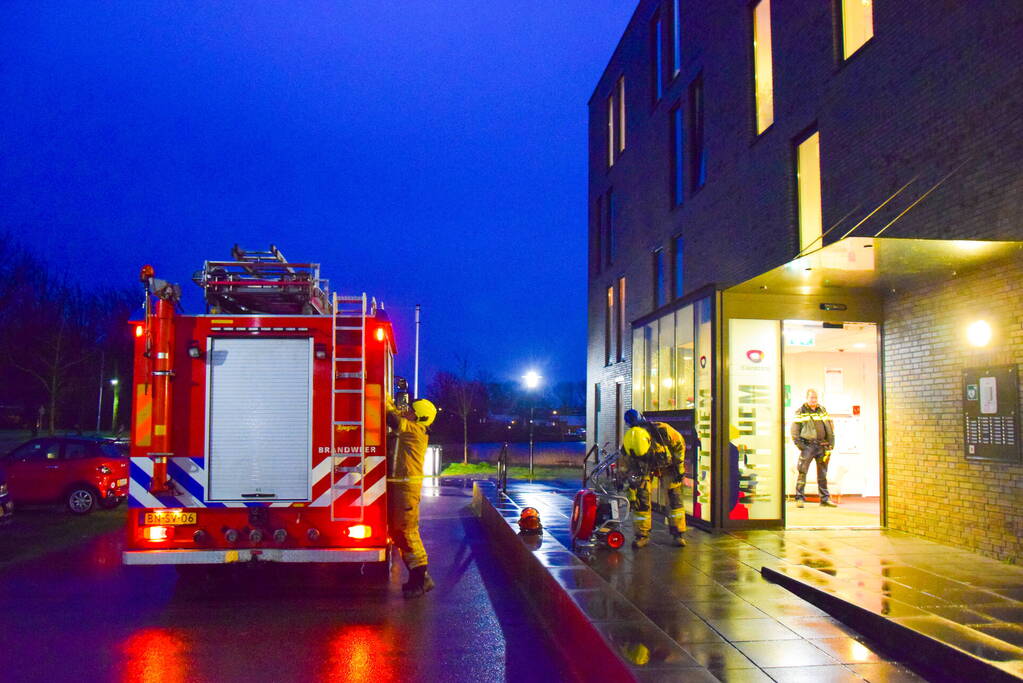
point(485, 469)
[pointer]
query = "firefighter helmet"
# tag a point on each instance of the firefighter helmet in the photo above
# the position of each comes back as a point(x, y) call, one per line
point(633, 417)
point(529, 521)
point(425, 411)
point(637, 442)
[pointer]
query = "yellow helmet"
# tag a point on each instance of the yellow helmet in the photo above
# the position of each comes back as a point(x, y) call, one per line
point(637, 442)
point(425, 411)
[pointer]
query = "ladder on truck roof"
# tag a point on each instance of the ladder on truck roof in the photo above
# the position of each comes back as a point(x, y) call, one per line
point(349, 378)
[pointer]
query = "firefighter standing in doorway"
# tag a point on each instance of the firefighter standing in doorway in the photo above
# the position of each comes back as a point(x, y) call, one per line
point(404, 488)
point(654, 449)
point(814, 436)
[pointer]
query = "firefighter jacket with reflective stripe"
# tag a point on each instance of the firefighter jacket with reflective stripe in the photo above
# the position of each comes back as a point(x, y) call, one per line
point(813, 425)
point(410, 450)
point(667, 449)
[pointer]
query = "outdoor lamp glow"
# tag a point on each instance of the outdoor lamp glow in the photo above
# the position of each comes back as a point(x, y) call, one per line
point(979, 333)
point(532, 379)
point(113, 382)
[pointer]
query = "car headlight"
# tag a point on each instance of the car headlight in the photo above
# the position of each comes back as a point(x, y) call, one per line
point(3, 489)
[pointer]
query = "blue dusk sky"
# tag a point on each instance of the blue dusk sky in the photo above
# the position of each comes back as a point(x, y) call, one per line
point(423, 152)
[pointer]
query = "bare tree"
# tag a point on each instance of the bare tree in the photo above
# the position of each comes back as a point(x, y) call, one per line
point(462, 396)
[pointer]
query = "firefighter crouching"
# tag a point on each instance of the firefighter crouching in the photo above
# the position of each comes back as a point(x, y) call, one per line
point(654, 449)
point(404, 488)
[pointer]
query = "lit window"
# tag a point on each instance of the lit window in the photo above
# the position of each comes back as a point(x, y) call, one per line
point(677, 155)
point(698, 156)
point(676, 36)
point(763, 69)
point(608, 325)
point(620, 353)
point(678, 273)
point(808, 183)
point(611, 131)
point(857, 25)
point(657, 57)
point(659, 293)
point(621, 114)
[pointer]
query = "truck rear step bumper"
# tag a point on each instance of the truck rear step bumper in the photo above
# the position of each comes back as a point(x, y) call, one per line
point(297, 555)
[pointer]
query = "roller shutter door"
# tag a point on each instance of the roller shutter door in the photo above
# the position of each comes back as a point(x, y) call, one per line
point(259, 419)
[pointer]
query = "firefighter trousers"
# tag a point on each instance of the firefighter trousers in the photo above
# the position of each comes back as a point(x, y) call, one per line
point(642, 509)
point(403, 521)
point(812, 452)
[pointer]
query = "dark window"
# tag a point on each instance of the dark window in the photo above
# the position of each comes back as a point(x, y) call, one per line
point(659, 293)
point(40, 449)
point(618, 414)
point(611, 211)
point(678, 136)
point(598, 230)
point(657, 57)
point(596, 413)
point(678, 271)
point(698, 152)
point(114, 450)
point(609, 325)
point(76, 450)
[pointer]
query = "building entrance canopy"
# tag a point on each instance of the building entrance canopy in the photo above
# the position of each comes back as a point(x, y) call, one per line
point(878, 264)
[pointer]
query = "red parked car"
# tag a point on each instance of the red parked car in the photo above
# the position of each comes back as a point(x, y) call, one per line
point(81, 473)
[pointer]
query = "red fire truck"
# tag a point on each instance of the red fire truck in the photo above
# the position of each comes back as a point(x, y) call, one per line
point(258, 431)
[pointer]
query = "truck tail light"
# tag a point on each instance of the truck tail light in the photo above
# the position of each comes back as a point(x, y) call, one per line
point(156, 534)
point(360, 531)
point(380, 334)
point(139, 330)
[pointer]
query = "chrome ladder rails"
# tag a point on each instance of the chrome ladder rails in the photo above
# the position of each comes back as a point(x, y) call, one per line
point(348, 371)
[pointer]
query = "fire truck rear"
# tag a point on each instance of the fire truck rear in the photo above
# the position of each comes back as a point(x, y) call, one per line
point(258, 431)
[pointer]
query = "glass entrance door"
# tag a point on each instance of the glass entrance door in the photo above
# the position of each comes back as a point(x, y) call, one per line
point(838, 363)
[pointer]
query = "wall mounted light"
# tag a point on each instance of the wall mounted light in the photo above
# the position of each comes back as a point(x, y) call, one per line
point(194, 351)
point(321, 351)
point(979, 333)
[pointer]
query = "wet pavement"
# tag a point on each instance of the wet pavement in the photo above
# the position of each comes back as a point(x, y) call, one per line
point(708, 605)
point(81, 615)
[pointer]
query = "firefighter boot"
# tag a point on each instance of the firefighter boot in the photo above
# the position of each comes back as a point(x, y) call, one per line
point(419, 583)
point(641, 542)
point(677, 539)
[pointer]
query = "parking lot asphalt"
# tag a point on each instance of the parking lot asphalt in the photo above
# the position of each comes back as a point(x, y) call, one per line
point(78, 614)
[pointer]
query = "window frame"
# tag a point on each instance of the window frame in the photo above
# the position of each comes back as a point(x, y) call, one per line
point(620, 94)
point(797, 141)
point(659, 289)
point(677, 122)
point(620, 341)
point(609, 325)
point(677, 266)
point(839, 8)
point(657, 58)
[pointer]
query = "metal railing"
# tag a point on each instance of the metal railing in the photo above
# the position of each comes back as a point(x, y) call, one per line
point(502, 468)
point(603, 460)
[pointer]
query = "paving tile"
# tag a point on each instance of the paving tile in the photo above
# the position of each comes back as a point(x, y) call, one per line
point(675, 674)
point(718, 656)
point(684, 627)
point(788, 608)
point(848, 650)
point(741, 675)
point(813, 674)
point(736, 630)
point(818, 627)
point(725, 609)
point(1010, 633)
point(572, 578)
point(645, 646)
point(794, 653)
point(885, 672)
point(605, 605)
point(1011, 612)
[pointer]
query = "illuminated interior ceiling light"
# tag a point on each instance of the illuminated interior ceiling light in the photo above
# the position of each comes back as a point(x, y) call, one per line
point(668, 382)
point(979, 333)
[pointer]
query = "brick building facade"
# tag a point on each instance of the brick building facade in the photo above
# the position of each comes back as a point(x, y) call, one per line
point(910, 115)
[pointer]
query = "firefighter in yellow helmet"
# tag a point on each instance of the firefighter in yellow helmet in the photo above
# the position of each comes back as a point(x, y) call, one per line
point(655, 449)
point(404, 488)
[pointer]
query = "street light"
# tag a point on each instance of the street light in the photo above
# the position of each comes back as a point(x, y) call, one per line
point(532, 380)
point(113, 413)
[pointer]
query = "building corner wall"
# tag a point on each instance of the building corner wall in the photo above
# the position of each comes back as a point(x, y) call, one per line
point(933, 490)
